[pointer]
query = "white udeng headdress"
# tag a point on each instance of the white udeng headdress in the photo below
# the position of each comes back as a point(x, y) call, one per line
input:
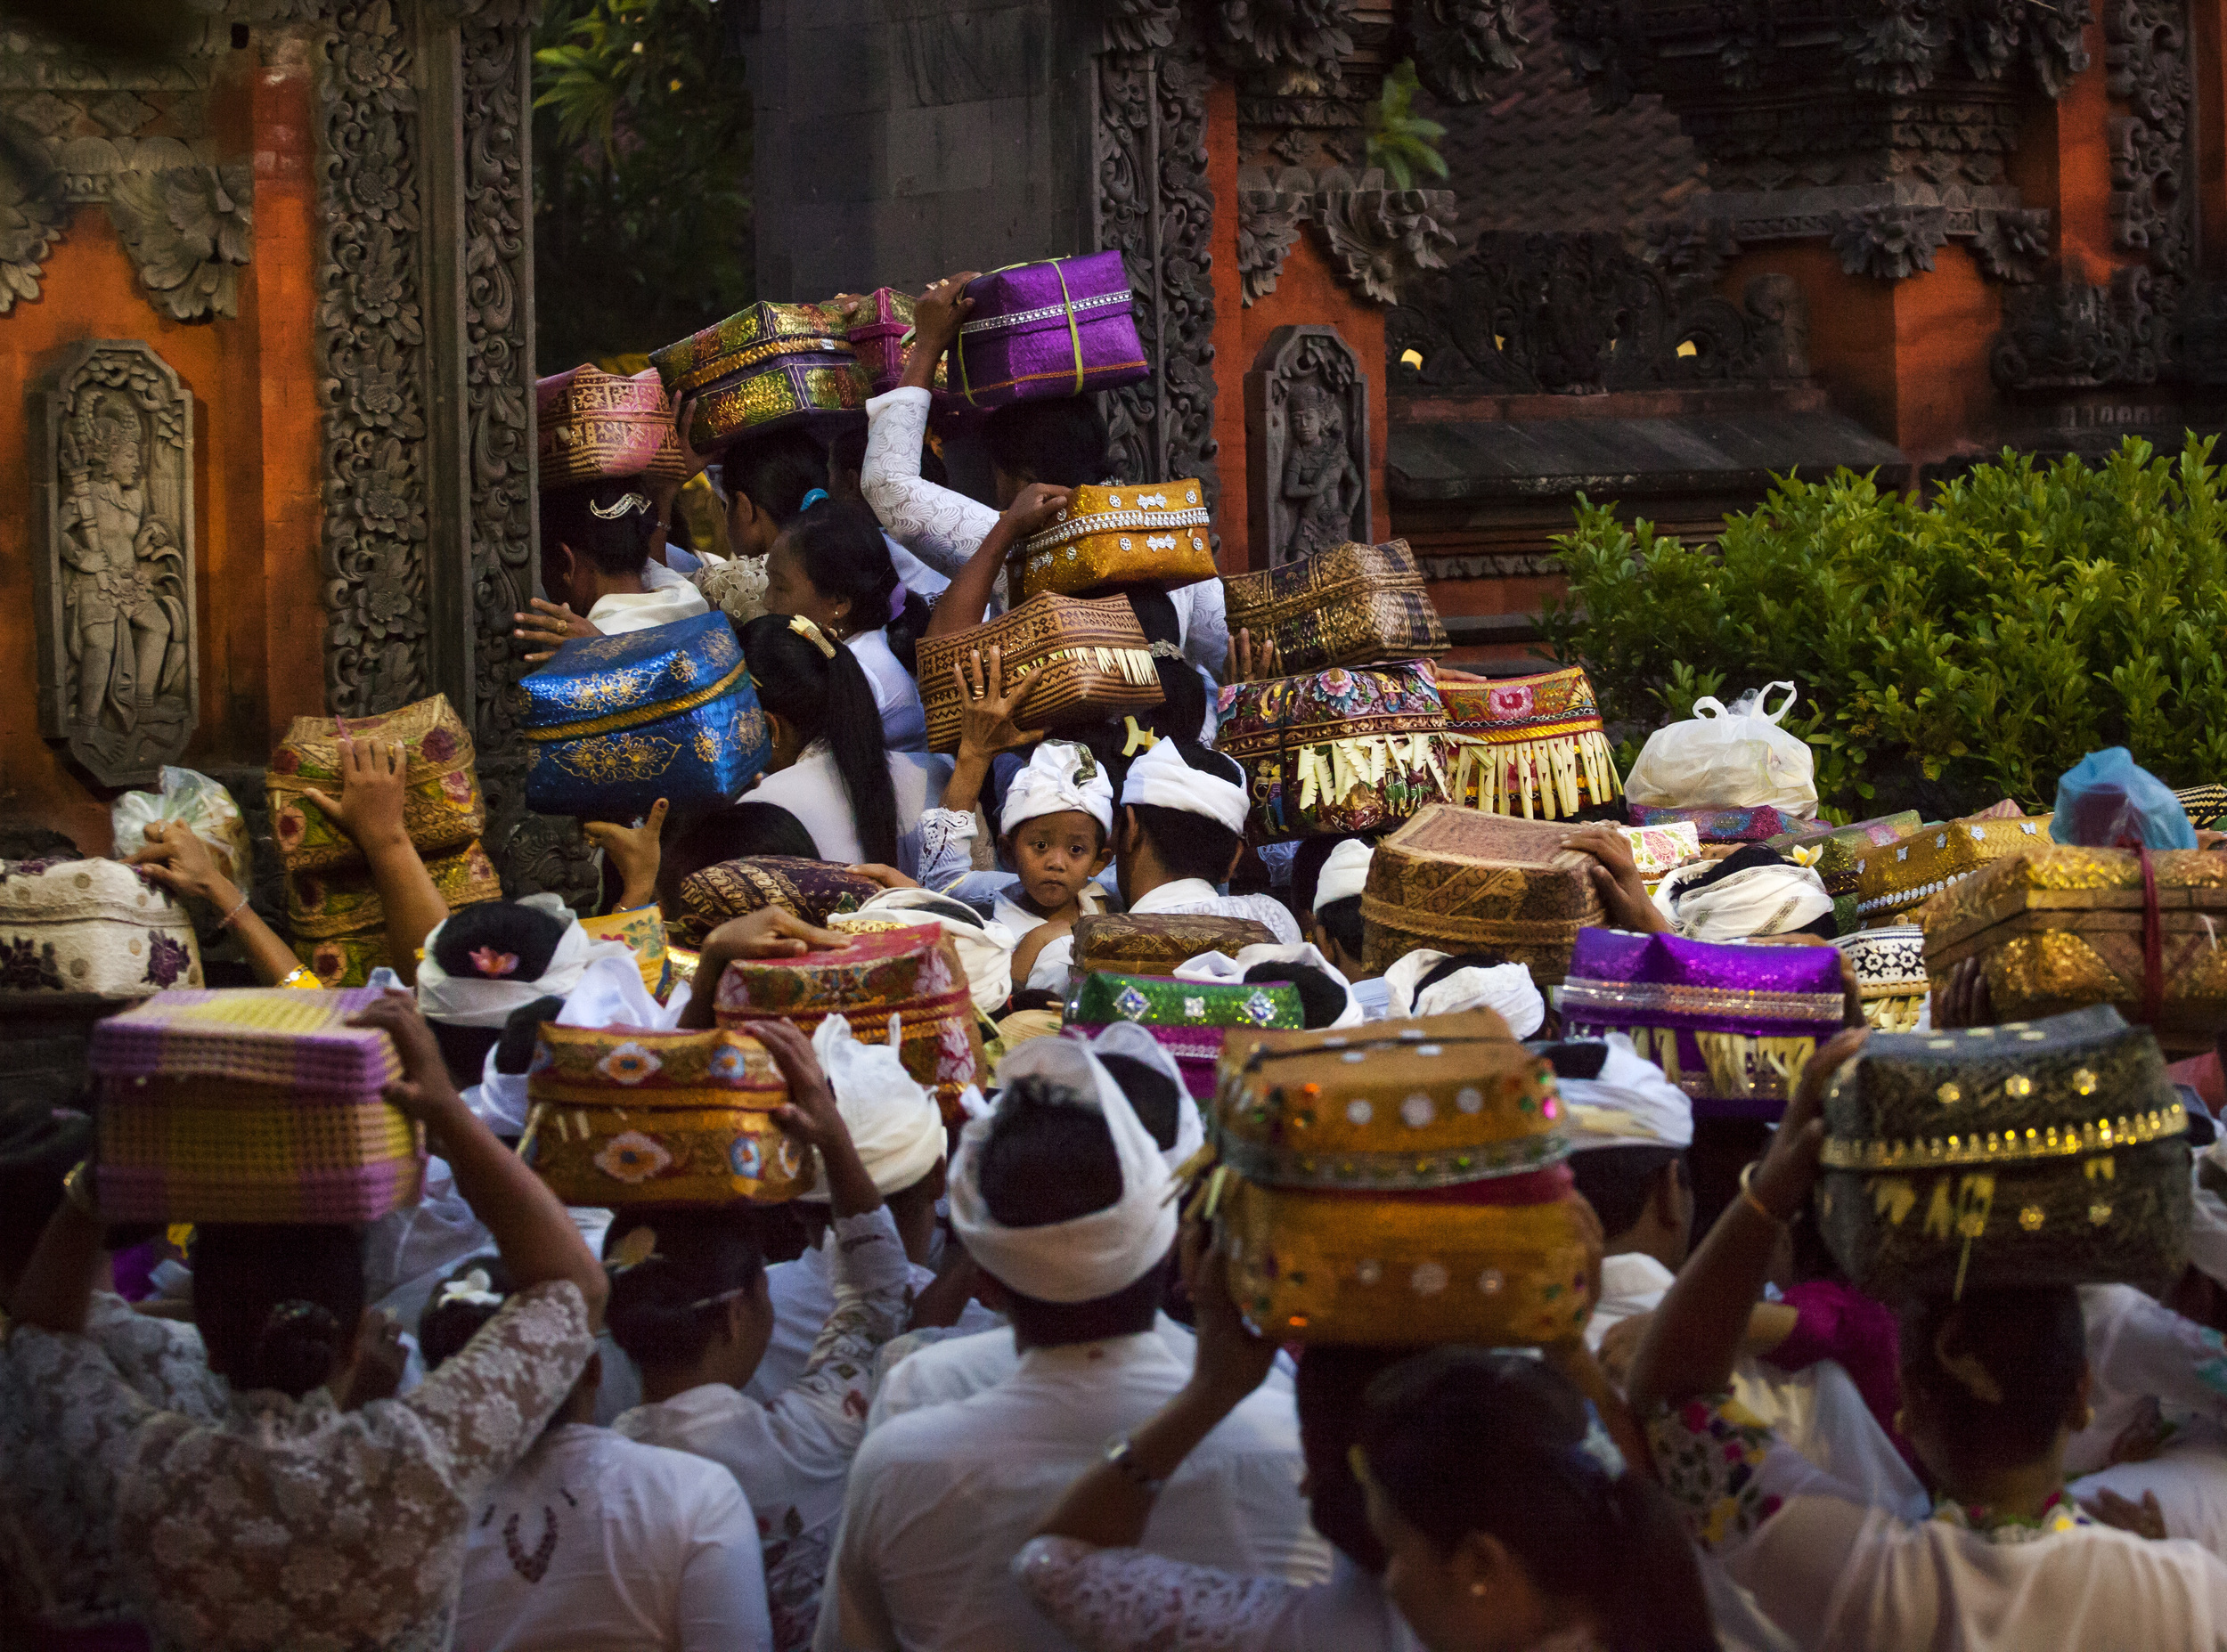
point(1161, 779)
point(1345, 874)
point(1126, 1037)
point(1761, 900)
point(1506, 988)
point(1091, 1255)
point(1060, 775)
point(1629, 1103)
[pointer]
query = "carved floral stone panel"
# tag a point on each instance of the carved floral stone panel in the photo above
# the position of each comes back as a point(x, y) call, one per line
point(1307, 445)
point(118, 667)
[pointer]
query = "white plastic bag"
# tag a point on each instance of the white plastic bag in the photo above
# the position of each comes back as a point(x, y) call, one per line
point(204, 808)
point(1735, 759)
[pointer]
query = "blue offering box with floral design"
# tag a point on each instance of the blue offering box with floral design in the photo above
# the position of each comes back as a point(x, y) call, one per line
point(617, 722)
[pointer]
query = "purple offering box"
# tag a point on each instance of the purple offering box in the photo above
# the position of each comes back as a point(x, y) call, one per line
point(1732, 1026)
point(1041, 330)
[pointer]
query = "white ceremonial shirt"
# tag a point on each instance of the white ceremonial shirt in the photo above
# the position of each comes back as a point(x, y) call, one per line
point(904, 722)
point(803, 1297)
point(1835, 1571)
point(1126, 1597)
point(812, 789)
point(1374, 993)
point(942, 1500)
point(593, 1543)
point(791, 1457)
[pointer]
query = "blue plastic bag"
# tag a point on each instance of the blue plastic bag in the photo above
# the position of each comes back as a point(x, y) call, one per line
point(2107, 801)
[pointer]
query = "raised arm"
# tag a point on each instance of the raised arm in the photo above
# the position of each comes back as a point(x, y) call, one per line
point(182, 863)
point(1697, 1332)
point(964, 604)
point(537, 1237)
point(937, 524)
point(369, 809)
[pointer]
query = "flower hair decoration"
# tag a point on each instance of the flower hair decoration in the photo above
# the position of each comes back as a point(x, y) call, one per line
point(474, 1289)
point(487, 961)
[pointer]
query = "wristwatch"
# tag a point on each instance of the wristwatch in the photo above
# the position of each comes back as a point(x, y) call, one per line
point(1121, 1456)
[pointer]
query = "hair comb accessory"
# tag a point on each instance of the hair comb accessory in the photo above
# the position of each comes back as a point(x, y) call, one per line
point(815, 496)
point(812, 634)
point(717, 1298)
point(474, 1289)
point(1974, 1377)
point(625, 505)
point(639, 1246)
point(1140, 739)
point(1596, 1449)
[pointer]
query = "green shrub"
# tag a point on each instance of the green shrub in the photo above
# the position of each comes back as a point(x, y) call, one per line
point(1948, 652)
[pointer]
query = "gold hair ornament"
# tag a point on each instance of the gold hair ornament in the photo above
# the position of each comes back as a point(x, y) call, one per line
point(812, 633)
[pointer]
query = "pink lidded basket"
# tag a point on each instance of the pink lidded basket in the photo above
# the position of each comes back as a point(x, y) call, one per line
point(258, 1105)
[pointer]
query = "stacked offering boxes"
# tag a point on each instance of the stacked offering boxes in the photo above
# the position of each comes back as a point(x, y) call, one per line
point(1402, 1187)
point(627, 1116)
point(2027, 1154)
point(1351, 605)
point(1337, 751)
point(1186, 1017)
point(1128, 943)
point(1532, 745)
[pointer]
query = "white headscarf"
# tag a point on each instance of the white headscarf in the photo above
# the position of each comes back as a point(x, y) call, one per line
point(1505, 986)
point(1060, 775)
point(1126, 1037)
point(1762, 901)
point(1219, 967)
point(1092, 1256)
point(474, 1001)
point(893, 1123)
point(611, 993)
point(1630, 1104)
point(1161, 779)
point(985, 949)
point(1345, 873)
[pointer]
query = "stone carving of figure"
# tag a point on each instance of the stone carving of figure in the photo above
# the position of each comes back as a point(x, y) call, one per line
point(124, 598)
point(1321, 483)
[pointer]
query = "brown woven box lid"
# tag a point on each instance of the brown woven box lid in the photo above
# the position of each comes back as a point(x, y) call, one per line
point(1461, 880)
point(1097, 659)
point(1155, 943)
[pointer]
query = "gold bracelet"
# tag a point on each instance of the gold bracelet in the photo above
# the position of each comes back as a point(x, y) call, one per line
point(301, 979)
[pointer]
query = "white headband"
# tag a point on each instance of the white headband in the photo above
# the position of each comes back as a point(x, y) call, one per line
point(1092, 1256)
point(1126, 1037)
point(1162, 779)
point(1506, 988)
point(985, 949)
point(1219, 967)
point(1629, 1105)
point(1762, 901)
point(1059, 776)
point(1344, 873)
point(893, 1123)
point(478, 1001)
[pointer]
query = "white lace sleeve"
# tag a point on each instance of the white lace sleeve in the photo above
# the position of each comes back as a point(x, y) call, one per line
point(1206, 628)
point(936, 525)
point(1113, 1599)
point(947, 846)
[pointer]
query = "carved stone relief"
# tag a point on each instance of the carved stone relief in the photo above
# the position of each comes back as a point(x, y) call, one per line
point(2068, 335)
point(1581, 314)
point(119, 671)
point(1374, 237)
point(1462, 47)
point(1306, 444)
point(1153, 202)
point(133, 137)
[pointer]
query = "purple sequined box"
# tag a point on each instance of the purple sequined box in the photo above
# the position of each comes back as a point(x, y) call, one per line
point(1732, 1026)
point(1726, 825)
point(1040, 330)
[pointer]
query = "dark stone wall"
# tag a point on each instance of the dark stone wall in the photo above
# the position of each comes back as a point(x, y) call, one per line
point(900, 140)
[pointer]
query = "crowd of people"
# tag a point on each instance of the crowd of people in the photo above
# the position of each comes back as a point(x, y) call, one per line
point(989, 1387)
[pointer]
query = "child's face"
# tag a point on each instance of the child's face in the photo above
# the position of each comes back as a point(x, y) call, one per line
point(1055, 856)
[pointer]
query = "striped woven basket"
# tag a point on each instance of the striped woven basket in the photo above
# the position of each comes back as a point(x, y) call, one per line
point(1097, 664)
point(259, 1105)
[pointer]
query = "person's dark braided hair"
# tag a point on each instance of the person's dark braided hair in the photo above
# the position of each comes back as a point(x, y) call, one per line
point(1463, 1440)
point(776, 471)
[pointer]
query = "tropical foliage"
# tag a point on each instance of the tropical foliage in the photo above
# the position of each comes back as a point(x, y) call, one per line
point(642, 176)
point(1950, 651)
point(1401, 142)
